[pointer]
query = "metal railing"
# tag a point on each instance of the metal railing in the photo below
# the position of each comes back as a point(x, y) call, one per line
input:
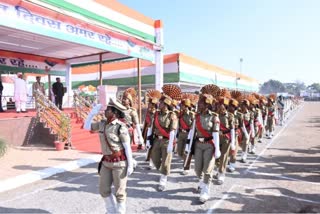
point(57, 121)
point(82, 108)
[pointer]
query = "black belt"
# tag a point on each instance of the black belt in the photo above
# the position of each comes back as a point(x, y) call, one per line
point(161, 137)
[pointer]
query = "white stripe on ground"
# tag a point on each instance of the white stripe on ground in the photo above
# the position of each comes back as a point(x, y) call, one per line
point(273, 140)
point(31, 177)
point(281, 176)
point(226, 196)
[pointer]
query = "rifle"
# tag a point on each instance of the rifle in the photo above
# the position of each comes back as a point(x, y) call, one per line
point(192, 130)
point(151, 140)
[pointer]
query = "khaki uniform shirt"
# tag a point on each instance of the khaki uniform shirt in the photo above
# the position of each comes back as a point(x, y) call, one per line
point(187, 117)
point(247, 119)
point(167, 120)
point(209, 122)
point(115, 133)
point(238, 119)
point(131, 116)
point(271, 111)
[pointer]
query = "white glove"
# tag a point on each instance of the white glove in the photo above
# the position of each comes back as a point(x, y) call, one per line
point(244, 130)
point(252, 130)
point(187, 149)
point(170, 144)
point(148, 145)
point(95, 110)
point(127, 150)
point(141, 140)
point(216, 140)
point(233, 140)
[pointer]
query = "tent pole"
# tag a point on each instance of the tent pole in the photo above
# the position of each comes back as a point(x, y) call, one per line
point(100, 68)
point(139, 88)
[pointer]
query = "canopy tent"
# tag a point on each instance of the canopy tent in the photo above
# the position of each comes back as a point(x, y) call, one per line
point(48, 36)
point(186, 71)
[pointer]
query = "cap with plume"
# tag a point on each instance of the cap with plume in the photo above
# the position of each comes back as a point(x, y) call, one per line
point(186, 99)
point(131, 94)
point(173, 92)
point(153, 96)
point(211, 89)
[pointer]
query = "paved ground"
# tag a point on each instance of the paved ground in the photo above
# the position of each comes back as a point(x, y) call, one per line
point(284, 176)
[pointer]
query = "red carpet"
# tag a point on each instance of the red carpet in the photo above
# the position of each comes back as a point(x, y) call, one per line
point(10, 114)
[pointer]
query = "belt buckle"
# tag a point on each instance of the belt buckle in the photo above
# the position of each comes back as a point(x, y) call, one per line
point(160, 137)
point(201, 139)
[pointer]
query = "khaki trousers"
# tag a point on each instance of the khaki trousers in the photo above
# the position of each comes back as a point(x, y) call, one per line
point(233, 156)
point(270, 124)
point(181, 143)
point(160, 157)
point(116, 174)
point(204, 161)
point(245, 141)
point(224, 148)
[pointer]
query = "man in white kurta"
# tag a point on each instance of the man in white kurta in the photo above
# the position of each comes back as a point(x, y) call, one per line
point(20, 93)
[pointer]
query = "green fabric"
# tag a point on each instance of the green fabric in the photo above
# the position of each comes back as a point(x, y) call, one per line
point(91, 15)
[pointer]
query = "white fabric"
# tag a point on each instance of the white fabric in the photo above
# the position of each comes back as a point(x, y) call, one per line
point(94, 111)
point(20, 90)
point(163, 180)
point(127, 149)
point(216, 140)
point(121, 208)
point(265, 121)
point(110, 204)
point(205, 193)
point(149, 132)
point(148, 145)
point(252, 130)
point(244, 130)
point(233, 139)
point(138, 128)
point(170, 144)
point(186, 148)
point(20, 106)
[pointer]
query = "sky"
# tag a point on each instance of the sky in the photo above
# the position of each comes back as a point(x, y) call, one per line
point(277, 39)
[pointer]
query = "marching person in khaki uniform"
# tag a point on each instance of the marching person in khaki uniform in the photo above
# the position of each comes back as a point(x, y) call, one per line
point(256, 114)
point(247, 129)
point(163, 131)
point(117, 163)
point(186, 117)
point(153, 100)
point(131, 115)
point(227, 136)
point(271, 117)
point(207, 147)
point(264, 113)
point(238, 124)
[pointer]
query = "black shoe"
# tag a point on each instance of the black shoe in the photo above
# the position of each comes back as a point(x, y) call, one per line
point(2, 110)
point(18, 111)
point(24, 111)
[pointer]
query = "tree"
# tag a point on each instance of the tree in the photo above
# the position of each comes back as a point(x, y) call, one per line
point(315, 87)
point(294, 88)
point(272, 86)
